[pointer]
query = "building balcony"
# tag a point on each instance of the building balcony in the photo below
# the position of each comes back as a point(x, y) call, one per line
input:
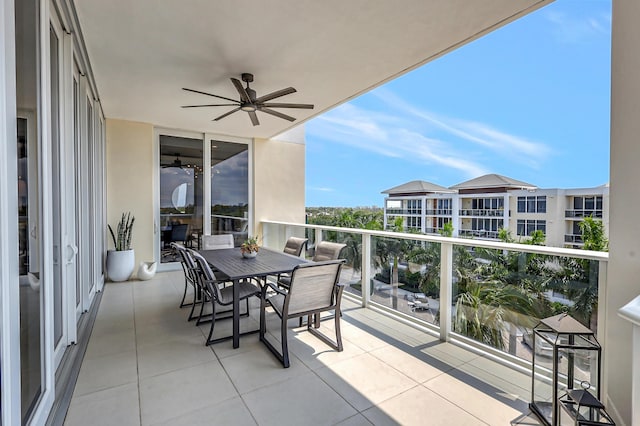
point(573, 238)
point(583, 213)
point(482, 213)
point(440, 212)
point(478, 233)
point(404, 212)
point(145, 364)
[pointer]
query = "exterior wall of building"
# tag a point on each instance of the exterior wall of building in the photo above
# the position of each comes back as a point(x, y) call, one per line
point(471, 220)
point(130, 171)
point(278, 176)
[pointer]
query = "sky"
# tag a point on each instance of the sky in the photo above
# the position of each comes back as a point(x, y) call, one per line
point(529, 101)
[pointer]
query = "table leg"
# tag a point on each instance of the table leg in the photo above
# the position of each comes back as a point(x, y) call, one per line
point(236, 315)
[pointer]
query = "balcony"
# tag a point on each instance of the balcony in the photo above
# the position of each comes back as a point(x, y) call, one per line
point(583, 213)
point(482, 213)
point(145, 364)
point(478, 233)
point(416, 212)
point(440, 212)
point(572, 238)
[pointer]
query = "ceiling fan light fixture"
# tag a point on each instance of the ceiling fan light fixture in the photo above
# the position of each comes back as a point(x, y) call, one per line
point(249, 107)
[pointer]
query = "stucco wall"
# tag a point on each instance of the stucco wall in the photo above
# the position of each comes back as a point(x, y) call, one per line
point(279, 170)
point(623, 282)
point(130, 181)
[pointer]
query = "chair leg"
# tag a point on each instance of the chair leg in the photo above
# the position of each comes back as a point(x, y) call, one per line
point(338, 333)
point(184, 295)
point(193, 307)
point(213, 322)
point(285, 346)
point(202, 303)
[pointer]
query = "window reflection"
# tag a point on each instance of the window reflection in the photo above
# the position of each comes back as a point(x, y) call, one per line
point(230, 189)
point(31, 371)
point(180, 193)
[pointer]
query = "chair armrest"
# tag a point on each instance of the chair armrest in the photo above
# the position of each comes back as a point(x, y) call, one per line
point(274, 288)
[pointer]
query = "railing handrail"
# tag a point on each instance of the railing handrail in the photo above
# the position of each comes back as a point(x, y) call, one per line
point(552, 251)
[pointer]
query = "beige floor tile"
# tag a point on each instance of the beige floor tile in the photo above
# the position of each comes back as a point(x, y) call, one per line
point(499, 376)
point(225, 413)
point(182, 391)
point(115, 406)
point(111, 343)
point(364, 380)
point(415, 364)
point(107, 372)
point(361, 338)
point(259, 368)
point(159, 332)
point(486, 402)
point(308, 401)
point(172, 355)
point(420, 406)
point(314, 353)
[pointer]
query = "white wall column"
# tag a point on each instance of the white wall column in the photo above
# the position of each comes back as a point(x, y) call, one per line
point(624, 234)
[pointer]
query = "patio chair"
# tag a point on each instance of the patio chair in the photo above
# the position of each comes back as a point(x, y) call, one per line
point(295, 245)
point(219, 241)
point(325, 250)
point(190, 278)
point(179, 233)
point(220, 296)
point(313, 289)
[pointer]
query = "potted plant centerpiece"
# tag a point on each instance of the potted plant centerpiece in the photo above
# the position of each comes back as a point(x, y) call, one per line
point(121, 261)
point(250, 247)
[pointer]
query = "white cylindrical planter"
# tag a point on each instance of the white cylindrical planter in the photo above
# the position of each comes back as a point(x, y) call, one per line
point(120, 264)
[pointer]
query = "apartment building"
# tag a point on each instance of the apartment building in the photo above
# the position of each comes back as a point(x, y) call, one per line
point(480, 207)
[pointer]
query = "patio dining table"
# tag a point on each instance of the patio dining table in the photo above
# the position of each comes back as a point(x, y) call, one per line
point(231, 263)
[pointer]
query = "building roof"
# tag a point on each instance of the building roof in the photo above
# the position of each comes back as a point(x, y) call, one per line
point(493, 181)
point(416, 187)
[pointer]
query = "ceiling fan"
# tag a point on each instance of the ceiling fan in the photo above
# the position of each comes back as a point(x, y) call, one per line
point(176, 163)
point(250, 103)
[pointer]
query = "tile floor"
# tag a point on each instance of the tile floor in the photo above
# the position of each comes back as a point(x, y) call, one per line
point(146, 365)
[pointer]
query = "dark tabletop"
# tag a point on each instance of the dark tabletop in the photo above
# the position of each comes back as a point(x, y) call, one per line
point(268, 262)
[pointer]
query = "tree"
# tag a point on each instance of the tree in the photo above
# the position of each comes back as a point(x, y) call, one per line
point(593, 234)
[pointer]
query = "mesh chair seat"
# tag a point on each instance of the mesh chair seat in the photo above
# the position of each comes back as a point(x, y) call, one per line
point(246, 289)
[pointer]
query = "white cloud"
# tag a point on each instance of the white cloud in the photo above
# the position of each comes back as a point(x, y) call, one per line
point(574, 29)
point(321, 189)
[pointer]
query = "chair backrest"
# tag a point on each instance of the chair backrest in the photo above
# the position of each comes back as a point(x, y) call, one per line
point(313, 286)
point(188, 265)
point(216, 242)
point(179, 232)
point(207, 278)
point(295, 246)
point(326, 250)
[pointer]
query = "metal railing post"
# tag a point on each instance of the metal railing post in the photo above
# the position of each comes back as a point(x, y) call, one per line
point(366, 269)
point(318, 236)
point(446, 289)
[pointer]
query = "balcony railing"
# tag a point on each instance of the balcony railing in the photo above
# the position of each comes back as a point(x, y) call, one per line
point(583, 213)
point(478, 233)
point(440, 212)
point(482, 212)
point(404, 211)
point(452, 286)
point(572, 238)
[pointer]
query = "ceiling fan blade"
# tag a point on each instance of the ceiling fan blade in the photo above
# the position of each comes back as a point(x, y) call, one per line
point(209, 94)
point(276, 94)
point(226, 114)
point(244, 96)
point(209, 105)
point(277, 114)
point(254, 118)
point(277, 105)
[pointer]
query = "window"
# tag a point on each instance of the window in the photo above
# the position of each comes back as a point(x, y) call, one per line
point(532, 204)
point(394, 204)
point(527, 227)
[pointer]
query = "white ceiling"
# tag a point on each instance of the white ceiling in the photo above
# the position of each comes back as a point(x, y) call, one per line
point(144, 51)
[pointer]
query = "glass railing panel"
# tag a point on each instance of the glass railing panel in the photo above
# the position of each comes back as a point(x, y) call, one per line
point(406, 276)
point(351, 274)
point(500, 295)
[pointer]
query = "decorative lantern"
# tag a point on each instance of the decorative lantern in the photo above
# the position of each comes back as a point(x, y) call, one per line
point(581, 408)
point(565, 354)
